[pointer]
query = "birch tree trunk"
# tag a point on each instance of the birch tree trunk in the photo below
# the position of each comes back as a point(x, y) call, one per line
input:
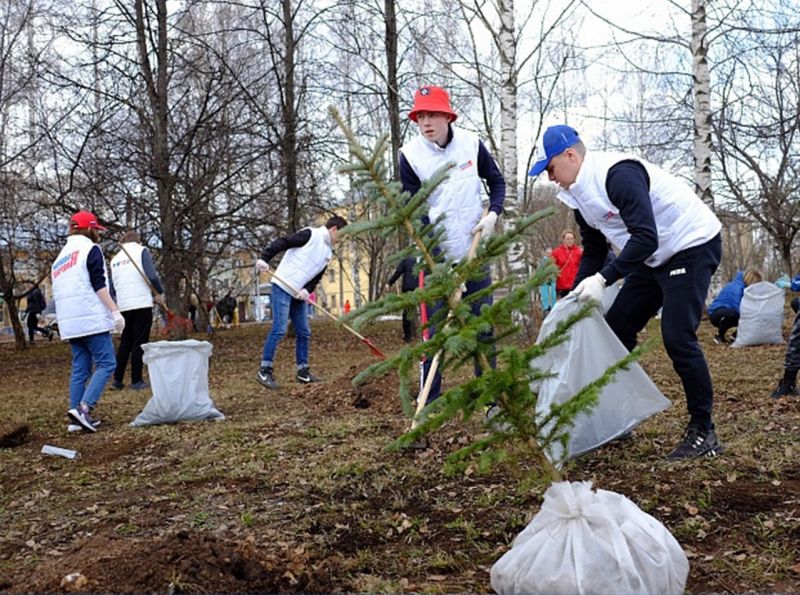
point(508, 98)
point(702, 104)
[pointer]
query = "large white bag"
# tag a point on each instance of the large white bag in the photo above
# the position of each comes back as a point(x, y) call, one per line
point(179, 379)
point(760, 315)
point(583, 541)
point(592, 347)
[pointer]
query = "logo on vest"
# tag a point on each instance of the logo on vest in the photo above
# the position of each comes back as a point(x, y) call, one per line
point(676, 272)
point(608, 215)
point(465, 165)
point(65, 263)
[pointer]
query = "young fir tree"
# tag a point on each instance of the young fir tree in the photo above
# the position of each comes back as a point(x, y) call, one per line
point(516, 432)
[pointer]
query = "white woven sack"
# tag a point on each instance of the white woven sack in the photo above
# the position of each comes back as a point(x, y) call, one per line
point(179, 380)
point(760, 315)
point(585, 541)
point(592, 347)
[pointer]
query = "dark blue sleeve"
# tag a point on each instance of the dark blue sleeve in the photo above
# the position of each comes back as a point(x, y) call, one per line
point(595, 250)
point(282, 244)
point(408, 177)
point(96, 268)
point(488, 170)
point(628, 188)
point(150, 271)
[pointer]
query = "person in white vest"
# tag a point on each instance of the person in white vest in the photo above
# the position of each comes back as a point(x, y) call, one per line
point(132, 276)
point(668, 245)
point(457, 200)
point(86, 316)
point(307, 255)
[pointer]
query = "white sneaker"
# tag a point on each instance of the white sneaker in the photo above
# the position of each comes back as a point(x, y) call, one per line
point(76, 428)
point(80, 415)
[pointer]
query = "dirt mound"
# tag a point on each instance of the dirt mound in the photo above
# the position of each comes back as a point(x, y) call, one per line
point(379, 395)
point(180, 563)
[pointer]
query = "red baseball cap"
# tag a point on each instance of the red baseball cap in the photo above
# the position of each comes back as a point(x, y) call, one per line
point(85, 220)
point(431, 99)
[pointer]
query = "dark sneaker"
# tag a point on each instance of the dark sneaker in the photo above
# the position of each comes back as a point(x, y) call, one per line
point(141, 385)
point(304, 376)
point(81, 416)
point(117, 385)
point(697, 442)
point(267, 379)
point(785, 389)
point(720, 340)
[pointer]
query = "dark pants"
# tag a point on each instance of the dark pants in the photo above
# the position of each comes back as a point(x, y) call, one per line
point(472, 287)
point(792, 362)
point(136, 333)
point(409, 324)
point(679, 287)
point(724, 319)
point(33, 325)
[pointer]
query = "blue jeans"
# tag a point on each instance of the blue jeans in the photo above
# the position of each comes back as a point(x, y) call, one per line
point(285, 307)
point(85, 349)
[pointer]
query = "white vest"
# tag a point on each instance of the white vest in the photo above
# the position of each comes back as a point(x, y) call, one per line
point(78, 309)
point(682, 219)
point(299, 265)
point(132, 290)
point(458, 198)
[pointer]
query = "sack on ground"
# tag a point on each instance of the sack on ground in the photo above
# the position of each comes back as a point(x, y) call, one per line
point(179, 380)
point(591, 348)
point(760, 315)
point(585, 541)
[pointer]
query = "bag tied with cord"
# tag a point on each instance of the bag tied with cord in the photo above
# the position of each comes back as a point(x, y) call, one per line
point(587, 541)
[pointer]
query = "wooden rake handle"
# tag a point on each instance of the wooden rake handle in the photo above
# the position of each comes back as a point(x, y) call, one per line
point(422, 399)
point(317, 306)
point(146, 280)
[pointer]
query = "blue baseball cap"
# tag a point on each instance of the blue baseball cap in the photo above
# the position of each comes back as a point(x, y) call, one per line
point(554, 141)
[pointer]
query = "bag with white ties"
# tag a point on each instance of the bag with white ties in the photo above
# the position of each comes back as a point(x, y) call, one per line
point(586, 541)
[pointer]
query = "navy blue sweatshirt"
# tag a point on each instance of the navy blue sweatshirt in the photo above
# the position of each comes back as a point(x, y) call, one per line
point(628, 189)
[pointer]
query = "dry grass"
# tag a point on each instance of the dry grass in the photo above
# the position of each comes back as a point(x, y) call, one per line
point(295, 492)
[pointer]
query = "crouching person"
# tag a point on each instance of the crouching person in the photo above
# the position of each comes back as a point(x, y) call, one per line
point(86, 316)
point(307, 255)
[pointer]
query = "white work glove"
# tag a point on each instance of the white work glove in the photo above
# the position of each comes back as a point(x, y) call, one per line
point(119, 321)
point(591, 288)
point(486, 224)
point(262, 266)
point(302, 295)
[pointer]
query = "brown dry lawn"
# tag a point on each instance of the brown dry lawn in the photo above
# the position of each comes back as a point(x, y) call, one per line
point(295, 491)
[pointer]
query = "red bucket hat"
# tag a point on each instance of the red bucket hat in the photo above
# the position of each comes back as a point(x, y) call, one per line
point(431, 99)
point(85, 220)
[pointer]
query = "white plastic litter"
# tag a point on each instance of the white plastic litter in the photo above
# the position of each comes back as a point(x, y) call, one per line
point(585, 541)
point(592, 347)
point(760, 315)
point(179, 380)
point(47, 449)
